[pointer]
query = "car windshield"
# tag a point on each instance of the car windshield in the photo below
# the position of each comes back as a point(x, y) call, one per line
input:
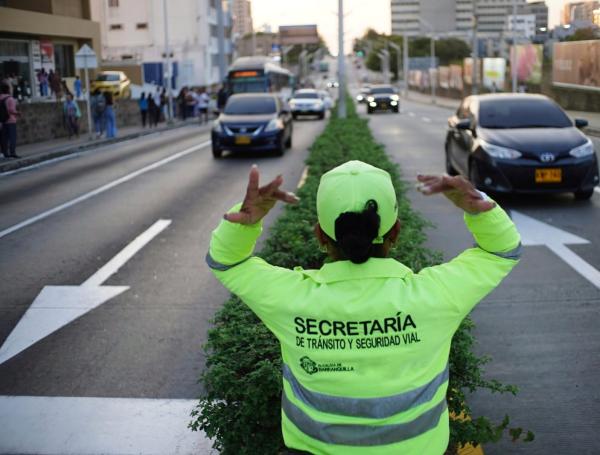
point(521, 113)
point(381, 90)
point(248, 105)
point(306, 95)
point(107, 77)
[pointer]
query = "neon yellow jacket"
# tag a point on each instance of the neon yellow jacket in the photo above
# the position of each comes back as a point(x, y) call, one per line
point(365, 347)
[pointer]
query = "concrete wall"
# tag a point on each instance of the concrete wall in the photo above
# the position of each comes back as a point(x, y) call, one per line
point(44, 121)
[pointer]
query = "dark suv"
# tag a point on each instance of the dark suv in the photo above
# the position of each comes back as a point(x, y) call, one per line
point(252, 122)
point(382, 98)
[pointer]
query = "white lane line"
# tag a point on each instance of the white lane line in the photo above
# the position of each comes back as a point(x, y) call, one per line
point(426, 119)
point(578, 264)
point(102, 189)
point(302, 180)
point(411, 114)
point(82, 425)
point(126, 253)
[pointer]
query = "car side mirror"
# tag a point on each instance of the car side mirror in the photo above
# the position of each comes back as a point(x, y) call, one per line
point(463, 124)
point(581, 123)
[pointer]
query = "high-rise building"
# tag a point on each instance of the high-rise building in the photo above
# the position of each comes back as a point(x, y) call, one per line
point(580, 12)
point(241, 12)
point(135, 31)
point(540, 11)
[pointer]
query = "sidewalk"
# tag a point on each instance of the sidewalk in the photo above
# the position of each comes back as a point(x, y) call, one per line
point(450, 103)
point(43, 151)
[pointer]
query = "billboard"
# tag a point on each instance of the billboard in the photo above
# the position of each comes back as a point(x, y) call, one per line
point(456, 77)
point(529, 59)
point(444, 76)
point(577, 64)
point(298, 34)
point(494, 70)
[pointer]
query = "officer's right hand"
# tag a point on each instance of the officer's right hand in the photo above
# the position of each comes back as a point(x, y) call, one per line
point(259, 200)
point(459, 190)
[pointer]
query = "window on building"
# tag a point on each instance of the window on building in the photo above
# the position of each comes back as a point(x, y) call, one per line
point(141, 25)
point(116, 26)
point(214, 31)
point(113, 3)
point(64, 59)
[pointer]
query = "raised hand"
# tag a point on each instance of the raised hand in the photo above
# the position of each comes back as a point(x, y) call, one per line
point(259, 200)
point(460, 191)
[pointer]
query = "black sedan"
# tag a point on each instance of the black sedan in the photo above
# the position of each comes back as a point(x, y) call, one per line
point(382, 98)
point(252, 122)
point(520, 143)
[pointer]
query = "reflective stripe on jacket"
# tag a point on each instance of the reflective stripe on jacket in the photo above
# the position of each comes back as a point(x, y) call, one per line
point(365, 347)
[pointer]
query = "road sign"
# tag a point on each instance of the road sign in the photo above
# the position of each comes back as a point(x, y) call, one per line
point(86, 58)
point(57, 306)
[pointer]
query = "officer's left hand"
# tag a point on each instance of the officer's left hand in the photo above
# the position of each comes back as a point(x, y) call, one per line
point(259, 200)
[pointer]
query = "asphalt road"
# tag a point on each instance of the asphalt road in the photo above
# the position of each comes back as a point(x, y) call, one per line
point(145, 342)
point(540, 326)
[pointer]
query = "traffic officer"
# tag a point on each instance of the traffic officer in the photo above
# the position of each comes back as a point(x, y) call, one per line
point(364, 340)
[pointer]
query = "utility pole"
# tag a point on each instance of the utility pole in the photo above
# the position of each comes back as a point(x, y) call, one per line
point(341, 69)
point(433, 77)
point(513, 60)
point(169, 71)
point(475, 50)
point(221, 40)
point(405, 68)
point(397, 49)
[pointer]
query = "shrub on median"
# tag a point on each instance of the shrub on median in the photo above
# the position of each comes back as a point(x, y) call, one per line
point(241, 408)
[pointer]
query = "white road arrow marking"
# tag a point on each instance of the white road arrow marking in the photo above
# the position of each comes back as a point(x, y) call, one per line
point(57, 306)
point(534, 232)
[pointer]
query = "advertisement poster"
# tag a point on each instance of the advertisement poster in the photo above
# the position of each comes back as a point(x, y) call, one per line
point(529, 59)
point(444, 76)
point(456, 77)
point(47, 49)
point(494, 70)
point(577, 64)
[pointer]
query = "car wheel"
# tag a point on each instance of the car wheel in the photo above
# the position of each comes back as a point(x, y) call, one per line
point(369, 111)
point(294, 116)
point(396, 110)
point(288, 143)
point(583, 195)
point(473, 175)
point(217, 152)
point(280, 148)
point(449, 168)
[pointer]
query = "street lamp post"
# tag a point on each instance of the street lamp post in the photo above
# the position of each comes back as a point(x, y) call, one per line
point(433, 78)
point(513, 61)
point(341, 69)
point(168, 61)
point(397, 49)
point(405, 67)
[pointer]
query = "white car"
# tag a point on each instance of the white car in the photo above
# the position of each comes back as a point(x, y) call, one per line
point(307, 102)
point(327, 100)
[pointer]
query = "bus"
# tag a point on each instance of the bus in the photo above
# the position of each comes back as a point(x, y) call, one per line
point(258, 75)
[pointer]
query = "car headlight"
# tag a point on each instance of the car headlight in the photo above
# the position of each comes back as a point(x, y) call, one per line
point(359, 97)
point(216, 125)
point(585, 149)
point(373, 104)
point(274, 125)
point(370, 99)
point(394, 103)
point(498, 151)
point(292, 103)
point(318, 104)
point(394, 97)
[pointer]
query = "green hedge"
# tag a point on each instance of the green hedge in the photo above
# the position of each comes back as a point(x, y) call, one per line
point(242, 379)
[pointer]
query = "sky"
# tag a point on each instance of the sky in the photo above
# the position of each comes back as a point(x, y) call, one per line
point(360, 15)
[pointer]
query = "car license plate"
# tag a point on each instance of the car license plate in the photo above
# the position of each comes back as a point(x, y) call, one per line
point(384, 105)
point(548, 175)
point(242, 140)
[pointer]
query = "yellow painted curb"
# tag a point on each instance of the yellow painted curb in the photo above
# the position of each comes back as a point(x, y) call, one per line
point(468, 449)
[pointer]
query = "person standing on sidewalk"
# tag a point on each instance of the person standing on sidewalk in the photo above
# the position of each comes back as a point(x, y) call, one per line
point(157, 104)
point(109, 116)
point(77, 87)
point(364, 340)
point(203, 102)
point(43, 81)
point(8, 122)
point(143, 104)
point(98, 108)
point(72, 115)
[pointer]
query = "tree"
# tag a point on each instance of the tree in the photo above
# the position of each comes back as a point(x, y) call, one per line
point(583, 34)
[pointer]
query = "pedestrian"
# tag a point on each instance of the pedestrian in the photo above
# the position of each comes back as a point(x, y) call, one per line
point(8, 122)
point(51, 82)
point(143, 104)
point(43, 82)
point(221, 98)
point(98, 102)
point(180, 102)
point(109, 116)
point(163, 104)
point(191, 100)
point(203, 102)
point(77, 87)
point(157, 105)
point(72, 115)
point(364, 340)
point(151, 110)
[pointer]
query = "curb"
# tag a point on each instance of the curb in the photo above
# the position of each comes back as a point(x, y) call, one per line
point(589, 130)
point(46, 156)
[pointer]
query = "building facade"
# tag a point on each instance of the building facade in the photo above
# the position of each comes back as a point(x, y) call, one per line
point(540, 11)
point(135, 31)
point(262, 44)
point(36, 34)
point(522, 24)
point(241, 14)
